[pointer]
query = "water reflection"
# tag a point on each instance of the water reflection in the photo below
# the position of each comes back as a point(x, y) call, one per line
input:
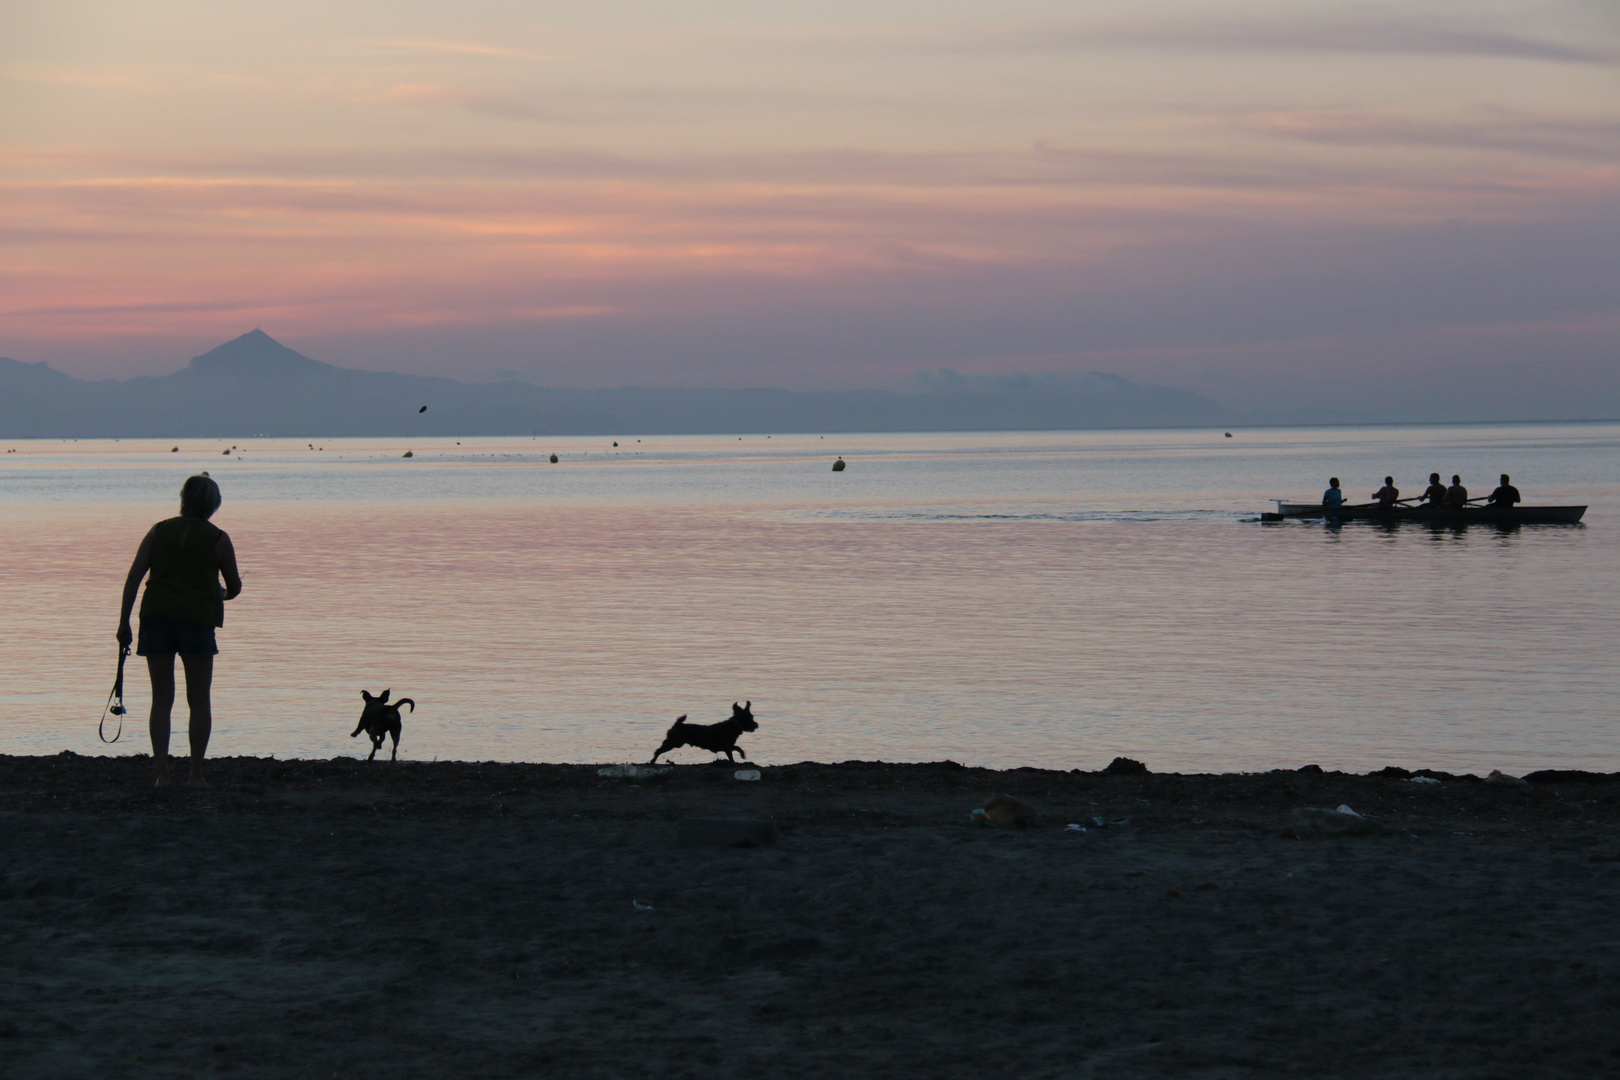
point(1007, 599)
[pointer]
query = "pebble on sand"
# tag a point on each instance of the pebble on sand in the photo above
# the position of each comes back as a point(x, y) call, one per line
point(1007, 812)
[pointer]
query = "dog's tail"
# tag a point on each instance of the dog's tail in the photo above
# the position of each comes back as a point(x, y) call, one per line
point(405, 701)
point(676, 726)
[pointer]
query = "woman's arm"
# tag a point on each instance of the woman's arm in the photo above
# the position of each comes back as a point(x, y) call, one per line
point(226, 554)
point(132, 586)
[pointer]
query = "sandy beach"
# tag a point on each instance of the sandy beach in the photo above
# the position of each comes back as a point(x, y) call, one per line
point(339, 918)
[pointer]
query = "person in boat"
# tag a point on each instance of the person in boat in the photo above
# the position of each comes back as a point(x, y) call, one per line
point(1435, 493)
point(1505, 496)
point(185, 557)
point(1456, 494)
point(1388, 495)
point(1333, 496)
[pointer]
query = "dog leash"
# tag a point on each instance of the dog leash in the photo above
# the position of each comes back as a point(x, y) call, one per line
point(115, 702)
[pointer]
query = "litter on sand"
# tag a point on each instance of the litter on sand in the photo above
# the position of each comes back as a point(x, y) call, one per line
point(746, 774)
point(1499, 777)
point(639, 906)
point(1422, 780)
point(630, 772)
point(1340, 820)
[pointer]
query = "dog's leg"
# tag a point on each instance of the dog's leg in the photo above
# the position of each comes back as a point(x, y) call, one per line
point(376, 744)
point(361, 726)
point(395, 755)
point(669, 744)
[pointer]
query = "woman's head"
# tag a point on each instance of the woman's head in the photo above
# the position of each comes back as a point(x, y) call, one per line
point(200, 497)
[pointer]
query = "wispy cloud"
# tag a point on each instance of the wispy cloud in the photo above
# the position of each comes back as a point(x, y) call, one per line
point(1595, 140)
point(1372, 35)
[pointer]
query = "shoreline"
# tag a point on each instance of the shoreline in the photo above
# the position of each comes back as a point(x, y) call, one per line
point(1115, 770)
point(317, 917)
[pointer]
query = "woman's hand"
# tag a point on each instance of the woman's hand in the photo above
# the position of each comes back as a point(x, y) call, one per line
point(124, 635)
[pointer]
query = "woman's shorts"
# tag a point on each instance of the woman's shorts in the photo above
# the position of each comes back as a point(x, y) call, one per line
point(165, 637)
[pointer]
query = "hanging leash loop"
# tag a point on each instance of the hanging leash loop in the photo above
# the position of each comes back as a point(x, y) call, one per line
point(115, 702)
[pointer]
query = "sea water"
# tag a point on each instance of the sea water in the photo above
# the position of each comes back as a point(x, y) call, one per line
point(1049, 599)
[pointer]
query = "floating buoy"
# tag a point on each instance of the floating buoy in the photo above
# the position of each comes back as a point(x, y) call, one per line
point(554, 459)
point(838, 466)
point(1228, 434)
point(227, 453)
point(409, 454)
point(174, 449)
point(423, 409)
point(615, 444)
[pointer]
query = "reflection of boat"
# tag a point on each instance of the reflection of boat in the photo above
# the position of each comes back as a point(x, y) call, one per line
point(1433, 515)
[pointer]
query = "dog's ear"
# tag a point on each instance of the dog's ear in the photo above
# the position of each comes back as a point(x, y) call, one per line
point(365, 695)
point(748, 706)
point(384, 698)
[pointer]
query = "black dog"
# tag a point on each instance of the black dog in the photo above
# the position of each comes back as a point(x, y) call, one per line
point(380, 719)
point(719, 738)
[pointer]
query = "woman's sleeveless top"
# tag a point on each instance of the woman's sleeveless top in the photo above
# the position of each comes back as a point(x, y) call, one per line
point(184, 581)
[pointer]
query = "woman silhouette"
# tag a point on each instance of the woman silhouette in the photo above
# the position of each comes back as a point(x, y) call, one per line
point(184, 601)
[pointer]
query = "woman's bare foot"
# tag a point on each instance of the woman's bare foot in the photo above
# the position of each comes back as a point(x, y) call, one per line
point(162, 781)
point(197, 782)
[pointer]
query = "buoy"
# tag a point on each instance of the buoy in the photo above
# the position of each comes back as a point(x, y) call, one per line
point(174, 449)
point(1228, 434)
point(838, 466)
point(423, 409)
point(554, 459)
point(615, 444)
point(409, 454)
point(227, 453)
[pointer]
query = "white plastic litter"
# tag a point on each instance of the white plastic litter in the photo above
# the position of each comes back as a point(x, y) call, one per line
point(746, 774)
point(630, 772)
point(1074, 828)
point(639, 906)
point(1345, 809)
point(1421, 780)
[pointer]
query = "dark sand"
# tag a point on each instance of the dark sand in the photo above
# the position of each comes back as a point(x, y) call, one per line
point(314, 919)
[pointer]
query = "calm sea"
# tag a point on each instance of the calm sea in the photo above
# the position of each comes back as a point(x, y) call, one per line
point(1050, 599)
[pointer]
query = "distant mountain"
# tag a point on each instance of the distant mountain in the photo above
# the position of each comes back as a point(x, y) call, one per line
point(254, 385)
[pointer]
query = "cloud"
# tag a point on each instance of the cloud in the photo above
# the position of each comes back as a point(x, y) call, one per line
point(1371, 36)
point(1583, 140)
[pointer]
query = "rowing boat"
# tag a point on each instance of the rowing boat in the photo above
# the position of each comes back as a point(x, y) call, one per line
point(1432, 515)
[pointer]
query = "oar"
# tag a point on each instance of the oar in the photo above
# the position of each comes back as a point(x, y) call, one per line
point(115, 702)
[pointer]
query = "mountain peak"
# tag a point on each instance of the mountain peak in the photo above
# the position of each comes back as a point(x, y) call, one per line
point(255, 353)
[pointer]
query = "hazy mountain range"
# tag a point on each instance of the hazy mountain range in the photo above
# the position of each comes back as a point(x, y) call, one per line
point(254, 385)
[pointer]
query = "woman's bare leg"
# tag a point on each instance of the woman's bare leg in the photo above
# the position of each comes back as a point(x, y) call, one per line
point(161, 669)
point(199, 679)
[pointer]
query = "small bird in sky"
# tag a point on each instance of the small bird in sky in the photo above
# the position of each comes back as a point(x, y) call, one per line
point(423, 409)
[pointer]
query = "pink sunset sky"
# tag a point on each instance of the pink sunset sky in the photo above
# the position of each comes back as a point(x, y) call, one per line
point(1277, 204)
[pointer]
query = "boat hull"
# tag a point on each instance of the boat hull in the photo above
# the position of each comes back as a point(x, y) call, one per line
point(1437, 515)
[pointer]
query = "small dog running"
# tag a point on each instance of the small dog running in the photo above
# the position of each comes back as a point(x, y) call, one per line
point(718, 738)
point(380, 719)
